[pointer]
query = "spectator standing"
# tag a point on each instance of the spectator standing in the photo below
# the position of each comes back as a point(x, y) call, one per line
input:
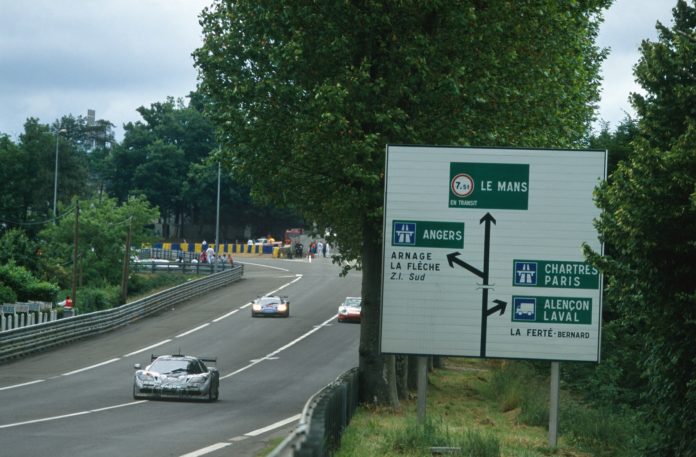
point(204, 246)
point(210, 252)
point(324, 248)
point(68, 307)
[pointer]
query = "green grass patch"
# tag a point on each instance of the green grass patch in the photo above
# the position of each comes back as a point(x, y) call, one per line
point(481, 408)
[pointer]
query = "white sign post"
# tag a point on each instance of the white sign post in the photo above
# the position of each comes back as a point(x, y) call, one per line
point(483, 253)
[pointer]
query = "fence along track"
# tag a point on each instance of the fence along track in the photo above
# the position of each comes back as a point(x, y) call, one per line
point(23, 341)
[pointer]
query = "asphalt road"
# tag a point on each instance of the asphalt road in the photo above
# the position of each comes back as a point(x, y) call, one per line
point(77, 400)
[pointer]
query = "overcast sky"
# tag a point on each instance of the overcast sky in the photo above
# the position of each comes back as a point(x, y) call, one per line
point(60, 57)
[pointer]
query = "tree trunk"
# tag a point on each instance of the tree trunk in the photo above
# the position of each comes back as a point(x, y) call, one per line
point(402, 376)
point(438, 362)
point(377, 372)
point(412, 377)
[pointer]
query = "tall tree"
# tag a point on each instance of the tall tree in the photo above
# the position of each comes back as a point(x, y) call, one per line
point(156, 154)
point(617, 143)
point(29, 172)
point(102, 236)
point(314, 91)
point(649, 220)
point(667, 73)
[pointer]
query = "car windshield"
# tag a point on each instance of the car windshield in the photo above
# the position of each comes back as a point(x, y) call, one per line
point(353, 302)
point(170, 365)
point(269, 301)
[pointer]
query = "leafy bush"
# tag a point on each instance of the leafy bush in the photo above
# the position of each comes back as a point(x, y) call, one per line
point(142, 283)
point(41, 291)
point(92, 299)
point(7, 295)
point(24, 285)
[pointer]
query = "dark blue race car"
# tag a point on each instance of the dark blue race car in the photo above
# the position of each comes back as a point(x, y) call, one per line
point(270, 305)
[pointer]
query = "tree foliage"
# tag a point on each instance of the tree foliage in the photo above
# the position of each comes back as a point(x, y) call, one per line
point(18, 281)
point(27, 177)
point(315, 91)
point(103, 228)
point(617, 143)
point(667, 73)
point(649, 222)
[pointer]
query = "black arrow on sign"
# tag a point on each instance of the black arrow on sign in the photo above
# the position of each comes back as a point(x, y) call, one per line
point(500, 306)
point(487, 218)
point(453, 259)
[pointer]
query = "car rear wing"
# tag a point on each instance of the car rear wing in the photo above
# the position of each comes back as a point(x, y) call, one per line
point(202, 358)
point(212, 360)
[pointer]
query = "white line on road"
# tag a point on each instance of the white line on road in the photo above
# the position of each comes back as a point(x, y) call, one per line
point(44, 419)
point(286, 285)
point(193, 330)
point(278, 424)
point(22, 385)
point(272, 355)
point(148, 348)
point(265, 266)
point(226, 315)
point(207, 450)
point(253, 433)
point(69, 373)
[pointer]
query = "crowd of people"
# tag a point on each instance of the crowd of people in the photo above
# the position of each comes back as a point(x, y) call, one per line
point(207, 254)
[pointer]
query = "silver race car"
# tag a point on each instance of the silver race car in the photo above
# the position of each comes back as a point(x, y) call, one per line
point(177, 377)
point(271, 305)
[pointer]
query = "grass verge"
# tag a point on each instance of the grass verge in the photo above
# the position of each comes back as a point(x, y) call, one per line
point(481, 408)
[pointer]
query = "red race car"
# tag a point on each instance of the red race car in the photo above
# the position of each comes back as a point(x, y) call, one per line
point(350, 310)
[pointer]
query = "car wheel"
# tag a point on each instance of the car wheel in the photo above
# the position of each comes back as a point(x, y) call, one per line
point(135, 394)
point(287, 312)
point(213, 393)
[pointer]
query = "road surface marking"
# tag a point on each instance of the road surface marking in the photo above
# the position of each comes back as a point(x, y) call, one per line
point(22, 385)
point(278, 424)
point(226, 315)
point(271, 355)
point(69, 373)
point(193, 330)
point(148, 348)
point(207, 450)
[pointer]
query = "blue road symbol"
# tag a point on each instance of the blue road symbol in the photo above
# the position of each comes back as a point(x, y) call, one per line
point(524, 309)
point(525, 274)
point(404, 234)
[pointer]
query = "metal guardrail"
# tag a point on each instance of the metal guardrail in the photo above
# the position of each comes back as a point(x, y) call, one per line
point(22, 341)
point(324, 418)
point(154, 266)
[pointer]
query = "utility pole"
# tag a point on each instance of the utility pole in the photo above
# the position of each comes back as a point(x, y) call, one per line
point(126, 261)
point(217, 223)
point(75, 244)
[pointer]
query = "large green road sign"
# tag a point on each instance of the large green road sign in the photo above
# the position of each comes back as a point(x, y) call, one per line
point(483, 253)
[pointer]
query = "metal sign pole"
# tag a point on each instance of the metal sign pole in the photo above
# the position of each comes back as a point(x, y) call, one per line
point(553, 404)
point(422, 387)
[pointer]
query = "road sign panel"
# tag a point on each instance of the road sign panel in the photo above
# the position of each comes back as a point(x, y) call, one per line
point(489, 185)
point(515, 283)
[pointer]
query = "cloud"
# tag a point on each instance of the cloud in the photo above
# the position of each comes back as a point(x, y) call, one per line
point(65, 57)
point(627, 23)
